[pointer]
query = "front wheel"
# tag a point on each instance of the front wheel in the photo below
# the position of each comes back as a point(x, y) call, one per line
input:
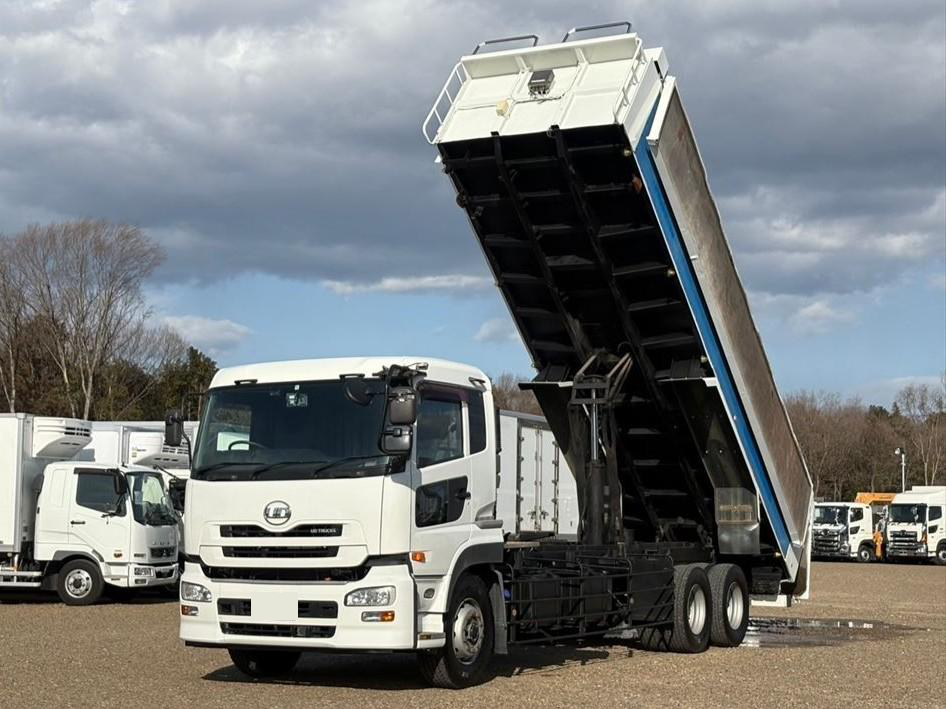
point(865, 554)
point(940, 558)
point(80, 583)
point(468, 647)
point(264, 663)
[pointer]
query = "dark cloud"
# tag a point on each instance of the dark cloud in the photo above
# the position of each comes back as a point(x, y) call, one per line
point(283, 137)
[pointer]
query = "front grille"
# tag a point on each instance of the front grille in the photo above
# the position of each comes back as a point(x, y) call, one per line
point(318, 609)
point(280, 552)
point(237, 573)
point(162, 552)
point(826, 542)
point(272, 630)
point(300, 530)
point(233, 606)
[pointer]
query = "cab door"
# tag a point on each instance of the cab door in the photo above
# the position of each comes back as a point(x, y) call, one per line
point(99, 517)
point(442, 485)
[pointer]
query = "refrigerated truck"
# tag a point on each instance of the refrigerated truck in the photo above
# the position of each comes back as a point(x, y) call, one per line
point(78, 527)
point(142, 443)
point(843, 530)
point(916, 527)
point(351, 505)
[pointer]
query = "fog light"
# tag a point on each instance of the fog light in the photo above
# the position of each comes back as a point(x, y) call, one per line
point(377, 616)
point(189, 610)
point(140, 582)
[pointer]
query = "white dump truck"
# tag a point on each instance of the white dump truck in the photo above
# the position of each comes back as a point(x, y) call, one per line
point(358, 504)
point(843, 530)
point(77, 527)
point(916, 528)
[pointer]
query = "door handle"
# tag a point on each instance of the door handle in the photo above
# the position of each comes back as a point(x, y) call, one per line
point(464, 495)
point(77, 521)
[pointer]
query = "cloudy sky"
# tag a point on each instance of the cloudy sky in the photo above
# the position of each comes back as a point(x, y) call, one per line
point(274, 150)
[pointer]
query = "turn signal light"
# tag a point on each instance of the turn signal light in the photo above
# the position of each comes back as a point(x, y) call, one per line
point(188, 610)
point(377, 616)
point(419, 556)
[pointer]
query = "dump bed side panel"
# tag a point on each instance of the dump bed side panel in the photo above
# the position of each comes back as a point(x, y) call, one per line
point(683, 176)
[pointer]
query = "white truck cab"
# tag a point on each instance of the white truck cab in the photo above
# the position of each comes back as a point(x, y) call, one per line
point(843, 530)
point(916, 527)
point(78, 527)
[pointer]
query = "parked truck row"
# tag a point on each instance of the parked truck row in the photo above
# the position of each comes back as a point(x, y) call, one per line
point(909, 526)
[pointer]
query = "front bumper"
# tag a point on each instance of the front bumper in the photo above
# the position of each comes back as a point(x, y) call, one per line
point(271, 618)
point(160, 575)
point(914, 550)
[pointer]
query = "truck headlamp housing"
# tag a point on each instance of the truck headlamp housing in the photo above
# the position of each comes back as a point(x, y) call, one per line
point(194, 592)
point(375, 596)
point(144, 571)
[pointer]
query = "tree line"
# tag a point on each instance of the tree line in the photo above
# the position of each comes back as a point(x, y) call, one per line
point(77, 335)
point(848, 445)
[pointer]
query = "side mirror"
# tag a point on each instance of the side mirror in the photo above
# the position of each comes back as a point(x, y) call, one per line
point(402, 406)
point(173, 428)
point(397, 440)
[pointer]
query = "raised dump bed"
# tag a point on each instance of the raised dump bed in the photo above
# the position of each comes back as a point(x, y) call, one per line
point(579, 172)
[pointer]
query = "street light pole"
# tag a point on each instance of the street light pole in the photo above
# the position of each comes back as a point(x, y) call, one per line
point(903, 468)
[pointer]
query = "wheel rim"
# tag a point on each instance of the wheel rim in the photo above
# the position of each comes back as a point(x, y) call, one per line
point(78, 583)
point(865, 555)
point(735, 606)
point(696, 609)
point(942, 554)
point(468, 631)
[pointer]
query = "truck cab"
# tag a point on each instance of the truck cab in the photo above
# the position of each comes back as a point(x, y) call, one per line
point(306, 531)
point(915, 525)
point(76, 526)
point(843, 530)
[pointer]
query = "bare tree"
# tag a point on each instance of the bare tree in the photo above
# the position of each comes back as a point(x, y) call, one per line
point(83, 280)
point(923, 407)
point(13, 314)
point(507, 395)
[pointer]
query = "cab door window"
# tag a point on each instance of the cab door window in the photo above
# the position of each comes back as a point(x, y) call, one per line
point(439, 428)
point(100, 492)
point(857, 514)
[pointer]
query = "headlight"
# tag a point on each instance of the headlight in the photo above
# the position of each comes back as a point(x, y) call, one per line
point(144, 571)
point(195, 592)
point(377, 596)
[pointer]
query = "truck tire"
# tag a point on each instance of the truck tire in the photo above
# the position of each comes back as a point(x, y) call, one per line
point(79, 583)
point(692, 614)
point(940, 558)
point(865, 553)
point(469, 644)
point(264, 663)
point(730, 594)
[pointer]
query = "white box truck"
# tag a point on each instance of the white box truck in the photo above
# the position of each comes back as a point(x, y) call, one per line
point(77, 527)
point(916, 528)
point(843, 530)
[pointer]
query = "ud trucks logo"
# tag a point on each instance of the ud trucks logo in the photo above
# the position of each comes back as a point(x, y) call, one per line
point(277, 512)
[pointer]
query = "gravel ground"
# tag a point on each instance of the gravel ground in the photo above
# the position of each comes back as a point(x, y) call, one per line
point(128, 653)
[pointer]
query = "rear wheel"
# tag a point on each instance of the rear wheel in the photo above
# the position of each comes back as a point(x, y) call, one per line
point(80, 583)
point(264, 663)
point(692, 614)
point(730, 594)
point(865, 553)
point(468, 649)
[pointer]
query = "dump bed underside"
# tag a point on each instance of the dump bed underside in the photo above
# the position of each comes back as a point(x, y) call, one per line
point(579, 225)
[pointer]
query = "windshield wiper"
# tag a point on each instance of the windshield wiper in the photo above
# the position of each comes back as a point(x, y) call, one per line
point(265, 468)
point(347, 459)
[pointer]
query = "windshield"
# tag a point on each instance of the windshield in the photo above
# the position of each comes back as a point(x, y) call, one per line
point(149, 500)
point(909, 514)
point(833, 514)
point(289, 431)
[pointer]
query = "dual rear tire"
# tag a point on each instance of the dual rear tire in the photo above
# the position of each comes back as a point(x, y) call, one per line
point(710, 606)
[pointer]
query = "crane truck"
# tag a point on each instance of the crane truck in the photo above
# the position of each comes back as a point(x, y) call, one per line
point(352, 504)
point(78, 527)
